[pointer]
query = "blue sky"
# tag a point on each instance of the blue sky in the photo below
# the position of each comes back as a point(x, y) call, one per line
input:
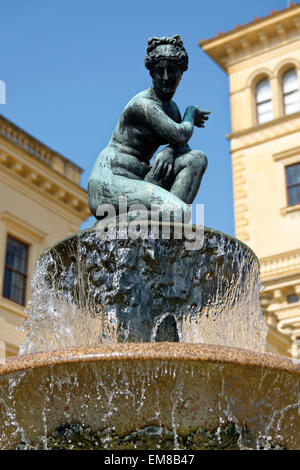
point(70, 66)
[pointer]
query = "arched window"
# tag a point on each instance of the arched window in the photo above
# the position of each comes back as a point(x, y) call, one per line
point(290, 92)
point(264, 107)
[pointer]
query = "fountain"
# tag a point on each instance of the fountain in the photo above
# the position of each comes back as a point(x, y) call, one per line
point(147, 334)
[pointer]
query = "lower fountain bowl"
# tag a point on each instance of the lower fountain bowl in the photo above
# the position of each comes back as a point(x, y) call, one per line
point(150, 396)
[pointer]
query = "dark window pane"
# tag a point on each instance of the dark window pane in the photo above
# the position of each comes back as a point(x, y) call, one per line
point(15, 271)
point(292, 298)
point(293, 174)
point(294, 195)
point(293, 184)
point(16, 255)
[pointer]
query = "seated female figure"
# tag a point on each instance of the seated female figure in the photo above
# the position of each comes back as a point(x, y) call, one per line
point(152, 119)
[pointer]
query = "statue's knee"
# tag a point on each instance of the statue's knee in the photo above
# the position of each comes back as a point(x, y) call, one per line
point(198, 160)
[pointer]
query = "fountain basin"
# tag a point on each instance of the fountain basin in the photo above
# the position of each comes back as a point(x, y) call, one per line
point(90, 289)
point(150, 396)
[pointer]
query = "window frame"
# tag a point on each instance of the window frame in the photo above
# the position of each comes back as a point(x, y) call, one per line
point(35, 238)
point(282, 74)
point(24, 275)
point(257, 82)
point(288, 186)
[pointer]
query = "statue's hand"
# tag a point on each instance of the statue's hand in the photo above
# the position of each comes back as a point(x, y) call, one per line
point(163, 165)
point(200, 116)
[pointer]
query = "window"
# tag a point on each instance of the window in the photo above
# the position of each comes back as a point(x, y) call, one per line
point(264, 107)
point(292, 298)
point(290, 92)
point(14, 287)
point(293, 184)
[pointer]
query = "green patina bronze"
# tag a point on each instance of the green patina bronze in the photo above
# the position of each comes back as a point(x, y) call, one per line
point(77, 437)
point(152, 119)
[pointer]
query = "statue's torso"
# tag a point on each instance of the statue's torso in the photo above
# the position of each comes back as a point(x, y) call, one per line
point(133, 143)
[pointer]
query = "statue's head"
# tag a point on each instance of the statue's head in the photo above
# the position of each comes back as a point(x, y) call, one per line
point(166, 59)
point(166, 48)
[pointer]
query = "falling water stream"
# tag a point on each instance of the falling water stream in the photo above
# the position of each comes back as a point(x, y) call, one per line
point(77, 299)
point(171, 405)
point(95, 370)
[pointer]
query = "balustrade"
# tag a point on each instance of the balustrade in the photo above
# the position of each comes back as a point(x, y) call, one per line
point(36, 149)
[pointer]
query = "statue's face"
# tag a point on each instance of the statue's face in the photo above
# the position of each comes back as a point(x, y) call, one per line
point(166, 75)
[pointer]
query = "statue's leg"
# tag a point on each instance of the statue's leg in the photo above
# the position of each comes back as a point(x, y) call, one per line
point(186, 175)
point(165, 180)
point(109, 189)
point(189, 168)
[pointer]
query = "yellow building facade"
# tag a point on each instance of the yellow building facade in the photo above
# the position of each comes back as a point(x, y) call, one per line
point(262, 60)
point(41, 202)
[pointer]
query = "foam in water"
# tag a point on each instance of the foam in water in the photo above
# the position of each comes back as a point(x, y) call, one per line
point(78, 297)
point(96, 417)
point(151, 403)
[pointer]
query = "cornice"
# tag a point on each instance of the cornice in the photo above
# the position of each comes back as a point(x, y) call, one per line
point(6, 148)
point(35, 177)
point(283, 264)
point(286, 153)
point(262, 133)
point(36, 149)
point(254, 38)
point(32, 232)
point(281, 281)
point(285, 311)
point(40, 195)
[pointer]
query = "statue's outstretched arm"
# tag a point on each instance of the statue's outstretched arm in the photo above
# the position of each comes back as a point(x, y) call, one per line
point(155, 118)
point(172, 132)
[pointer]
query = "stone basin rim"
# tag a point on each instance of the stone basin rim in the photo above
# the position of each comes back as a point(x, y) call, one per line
point(172, 352)
point(207, 230)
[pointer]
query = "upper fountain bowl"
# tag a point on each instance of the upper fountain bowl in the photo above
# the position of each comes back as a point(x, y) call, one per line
point(100, 287)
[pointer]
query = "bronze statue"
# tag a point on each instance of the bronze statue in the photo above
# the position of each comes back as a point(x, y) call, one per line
point(151, 119)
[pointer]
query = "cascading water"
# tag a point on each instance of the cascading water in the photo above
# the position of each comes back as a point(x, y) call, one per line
point(98, 371)
point(87, 290)
point(150, 397)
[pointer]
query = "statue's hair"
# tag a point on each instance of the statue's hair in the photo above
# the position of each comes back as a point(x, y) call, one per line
point(153, 55)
